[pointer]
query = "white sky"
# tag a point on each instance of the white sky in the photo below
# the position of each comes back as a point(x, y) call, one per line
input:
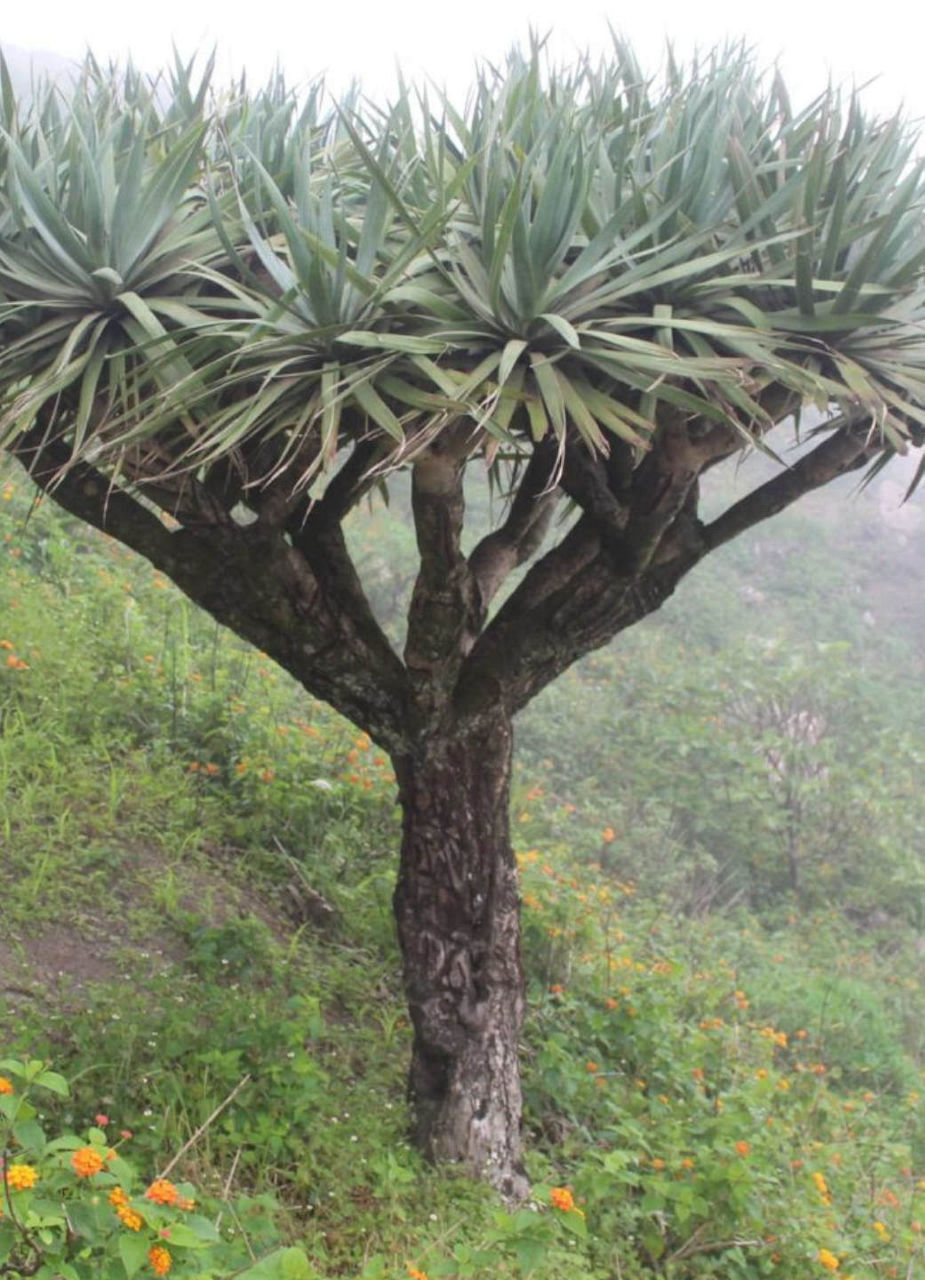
point(366, 38)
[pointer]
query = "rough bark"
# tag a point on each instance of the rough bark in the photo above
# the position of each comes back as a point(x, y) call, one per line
point(457, 912)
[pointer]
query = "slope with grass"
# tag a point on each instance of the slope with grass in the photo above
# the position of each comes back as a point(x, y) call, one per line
point(197, 863)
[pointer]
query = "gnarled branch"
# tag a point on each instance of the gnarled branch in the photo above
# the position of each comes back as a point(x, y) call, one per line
point(522, 533)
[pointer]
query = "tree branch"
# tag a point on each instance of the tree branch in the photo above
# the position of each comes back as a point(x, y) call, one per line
point(848, 448)
point(443, 615)
point(521, 535)
point(251, 580)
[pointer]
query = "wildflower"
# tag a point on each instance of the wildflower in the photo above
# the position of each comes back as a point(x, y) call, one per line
point(591, 1067)
point(562, 1198)
point(5, 1085)
point(125, 1133)
point(8, 645)
point(16, 664)
point(827, 1260)
point(415, 1274)
point(556, 989)
point(129, 1218)
point(687, 1163)
point(118, 1197)
point(743, 1148)
point(101, 1120)
point(211, 769)
point(822, 1187)
point(609, 835)
point(160, 1259)
point(658, 1163)
point(20, 1177)
point(879, 1227)
point(161, 1191)
point(267, 775)
point(87, 1161)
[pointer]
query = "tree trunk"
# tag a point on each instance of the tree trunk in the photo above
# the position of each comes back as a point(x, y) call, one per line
point(457, 911)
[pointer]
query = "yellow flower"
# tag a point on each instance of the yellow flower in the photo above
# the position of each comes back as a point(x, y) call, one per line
point(827, 1260)
point(20, 1177)
point(129, 1218)
point(160, 1259)
point(821, 1185)
point(879, 1227)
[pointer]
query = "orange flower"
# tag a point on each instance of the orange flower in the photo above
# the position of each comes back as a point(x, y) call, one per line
point(414, 1274)
point(162, 1192)
point(129, 1218)
point(827, 1260)
point(20, 1177)
point(743, 1148)
point(5, 1085)
point(562, 1198)
point(592, 1067)
point(118, 1197)
point(87, 1161)
point(160, 1259)
point(609, 835)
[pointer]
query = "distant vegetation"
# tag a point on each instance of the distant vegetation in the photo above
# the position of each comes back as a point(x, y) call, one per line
point(718, 823)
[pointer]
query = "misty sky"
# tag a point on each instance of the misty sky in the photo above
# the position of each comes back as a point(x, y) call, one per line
point(811, 39)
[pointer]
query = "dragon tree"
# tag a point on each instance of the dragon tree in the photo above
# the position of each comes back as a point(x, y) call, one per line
point(226, 319)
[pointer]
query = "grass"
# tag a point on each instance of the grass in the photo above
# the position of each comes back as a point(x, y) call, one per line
point(196, 873)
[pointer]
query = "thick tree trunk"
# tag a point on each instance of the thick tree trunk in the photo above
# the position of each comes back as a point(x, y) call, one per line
point(457, 912)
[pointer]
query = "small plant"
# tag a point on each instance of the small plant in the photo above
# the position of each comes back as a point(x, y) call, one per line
point(73, 1208)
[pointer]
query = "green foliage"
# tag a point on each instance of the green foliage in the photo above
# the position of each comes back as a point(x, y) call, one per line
point(74, 1208)
point(578, 250)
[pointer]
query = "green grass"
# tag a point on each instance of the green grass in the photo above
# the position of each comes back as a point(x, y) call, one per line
point(170, 804)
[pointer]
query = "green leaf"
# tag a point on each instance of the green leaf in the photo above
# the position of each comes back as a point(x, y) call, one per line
point(372, 404)
point(55, 1082)
point(133, 1250)
point(550, 392)
point(563, 328)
